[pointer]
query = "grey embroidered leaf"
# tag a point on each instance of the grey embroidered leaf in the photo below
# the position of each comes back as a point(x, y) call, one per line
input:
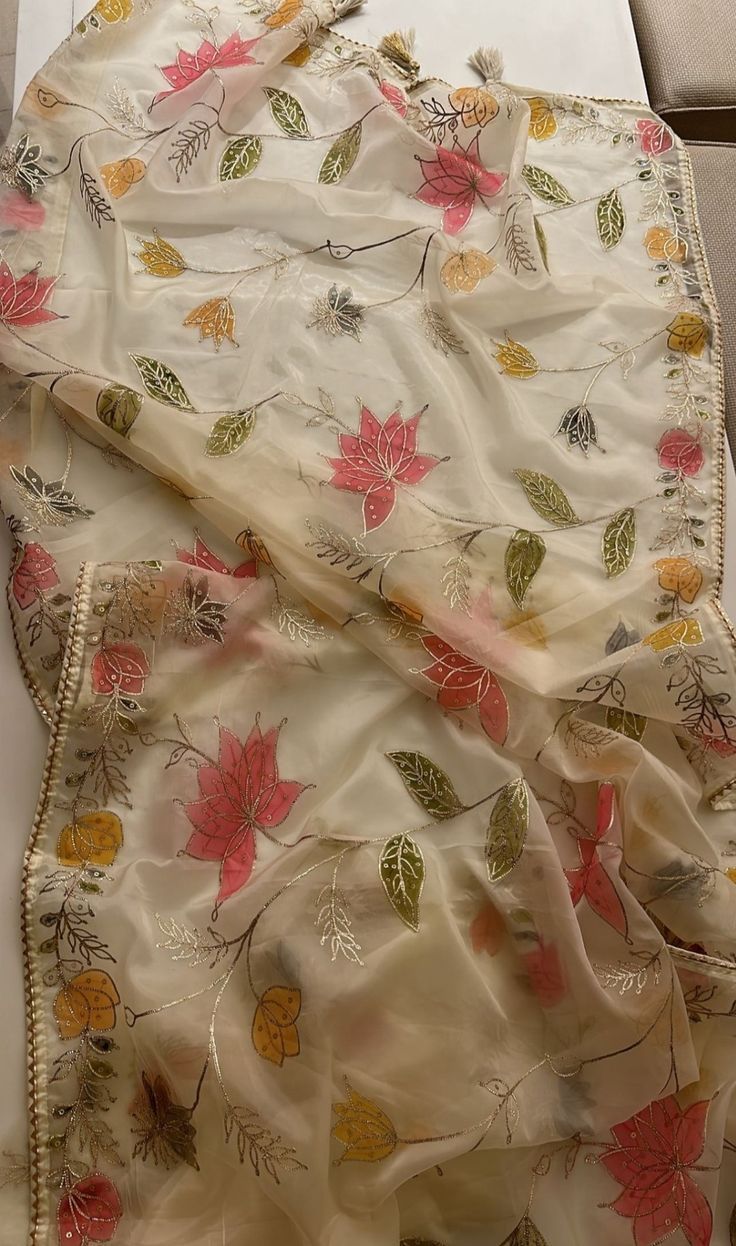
point(439, 333)
point(118, 408)
point(526, 1233)
point(240, 157)
point(630, 977)
point(623, 721)
point(264, 1150)
point(546, 497)
point(545, 186)
point(507, 829)
point(229, 433)
point(189, 142)
point(191, 944)
point(585, 738)
point(94, 201)
point(296, 623)
point(621, 638)
point(518, 251)
point(428, 784)
point(333, 921)
point(336, 313)
point(19, 166)
point(193, 615)
point(401, 867)
point(122, 109)
point(342, 156)
point(619, 542)
point(337, 548)
point(161, 383)
point(288, 113)
point(579, 428)
point(524, 556)
point(610, 219)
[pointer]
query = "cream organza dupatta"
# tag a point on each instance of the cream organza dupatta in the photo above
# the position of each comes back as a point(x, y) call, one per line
point(382, 883)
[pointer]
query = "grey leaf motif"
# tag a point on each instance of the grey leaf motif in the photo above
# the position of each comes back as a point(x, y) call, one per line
point(579, 428)
point(611, 219)
point(336, 313)
point(439, 333)
point(621, 638)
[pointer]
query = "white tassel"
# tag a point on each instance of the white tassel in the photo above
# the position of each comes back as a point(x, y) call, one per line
point(489, 64)
point(343, 7)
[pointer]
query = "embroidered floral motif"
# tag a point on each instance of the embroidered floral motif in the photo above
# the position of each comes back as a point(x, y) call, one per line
point(274, 1032)
point(202, 556)
point(364, 1129)
point(163, 1130)
point(22, 299)
point(190, 66)
point(656, 138)
point(680, 452)
point(463, 683)
point(590, 879)
point(89, 1212)
point(215, 319)
point(119, 668)
point(34, 575)
point(455, 180)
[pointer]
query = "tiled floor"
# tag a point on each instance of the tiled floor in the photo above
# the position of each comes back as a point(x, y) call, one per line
point(8, 25)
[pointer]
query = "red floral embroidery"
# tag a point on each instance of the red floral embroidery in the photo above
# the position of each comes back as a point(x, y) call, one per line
point(89, 1212)
point(655, 1149)
point(487, 930)
point(463, 682)
point(454, 180)
point(545, 973)
point(189, 66)
point(381, 457)
point(395, 96)
point(35, 573)
point(655, 136)
point(590, 878)
point(718, 744)
point(17, 211)
point(22, 298)
point(202, 556)
point(122, 667)
point(680, 452)
point(239, 795)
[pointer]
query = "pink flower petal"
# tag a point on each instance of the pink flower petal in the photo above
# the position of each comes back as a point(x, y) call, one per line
point(378, 504)
point(457, 217)
point(277, 802)
point(237, 865)
point(494, 711)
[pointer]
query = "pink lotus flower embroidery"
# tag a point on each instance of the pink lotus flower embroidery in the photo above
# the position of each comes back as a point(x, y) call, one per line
point(202, 556)
point(22, 298)
point(655, 136)
point(395, 96)
point(590, 879)
point(656, 1147)
point(680, 452)
point(189, 66)
point(121, 667)
point(381, 457)
point(89, 1212)
point(463, 682)
point(35, 574)
point(239, 794)
point(454, 180)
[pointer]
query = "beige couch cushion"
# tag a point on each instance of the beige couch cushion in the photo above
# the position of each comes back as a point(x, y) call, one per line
point(688, 50)
point(714, 169)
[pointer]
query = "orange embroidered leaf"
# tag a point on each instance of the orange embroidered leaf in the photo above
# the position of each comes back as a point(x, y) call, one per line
point(274, 1033)
point(285, 13)
point(681, 632)
point(92, 839)
point(475, 105)
point(364, 1129)
point(542, 120)
point(160, 258)
point(299, 56)
point(462, 272)
point(87, 1002)
point(120, 175)
point(661, 244)
point(487, 930)
point(681, 576)
point(215, 319)
point(688, 333)
point(515, 359)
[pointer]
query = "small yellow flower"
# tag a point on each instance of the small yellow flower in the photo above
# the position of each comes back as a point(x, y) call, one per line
point(93, 839)
point(462, 272)
point(285, 13)
point(215, 319)
point(681, 632)
point(731, 873)
point(542, 120)
point(159, 258)
point(299, 56)
point(661, 244)
point(515, 359)
point(688, 333)
point(365, 1131)
point(114, 10)
point(120, 175)
point(681, 576)
point(475, 105)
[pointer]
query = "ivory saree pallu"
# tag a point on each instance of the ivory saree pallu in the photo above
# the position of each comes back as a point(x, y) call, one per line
point(382, 886)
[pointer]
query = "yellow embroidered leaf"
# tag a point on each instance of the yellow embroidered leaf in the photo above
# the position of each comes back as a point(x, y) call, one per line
point(475, 105)
point(299, 56)
point(542, 120)
point(681, 576)
point(215, 319)
point(285, 13)
point(120, 175)
point(515, 359)
point(87, 1002)
point(114, 10)
point(160, 258)
point(681, 632)
point(462, 272)
point(274, 1034)
point(661, 244)
point(688, 333)
point(731, 873)
point(364, 1129)
point(93, 839)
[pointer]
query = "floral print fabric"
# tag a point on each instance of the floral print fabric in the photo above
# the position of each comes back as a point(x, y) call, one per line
point(362, 445)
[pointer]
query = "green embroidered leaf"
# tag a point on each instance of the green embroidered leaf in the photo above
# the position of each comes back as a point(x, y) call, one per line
point(544, 185)
point(428, 784)
point(507, 829)
point(541, 242)
point(229, 433)
point(240, 157)
point(526, 1233)
point(342, 156)
point(628, 724)
point(547, 498)
point(119, 407)
point(161, 383)
point(619, 542)
point(401, 867)
point(288, 113)
point(524, 556)
point(611, 220)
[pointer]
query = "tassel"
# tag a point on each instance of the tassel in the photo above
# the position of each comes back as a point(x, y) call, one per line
point(343, 7)
point(489, 64)
point(398, 47)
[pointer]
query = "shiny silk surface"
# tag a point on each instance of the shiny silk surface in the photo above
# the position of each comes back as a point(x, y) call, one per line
point(362, 441)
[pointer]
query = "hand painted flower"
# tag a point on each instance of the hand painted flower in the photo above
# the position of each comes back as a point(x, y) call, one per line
point(395, 96)
point(590, 879)
point(22, 298)
point(202, 556)
point(654, 1151)
point(17, 211)
point(463, 682)
point(189, 66)
point(546, 977)
point(455, 180)
point(89, 1212)
point(381, 457)
point(121, 667)
point(35, 574)
point(239, 795)
point(680, 452)
point(655, 136)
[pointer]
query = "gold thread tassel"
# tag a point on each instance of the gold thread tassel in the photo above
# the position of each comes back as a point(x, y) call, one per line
point(398, 47)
